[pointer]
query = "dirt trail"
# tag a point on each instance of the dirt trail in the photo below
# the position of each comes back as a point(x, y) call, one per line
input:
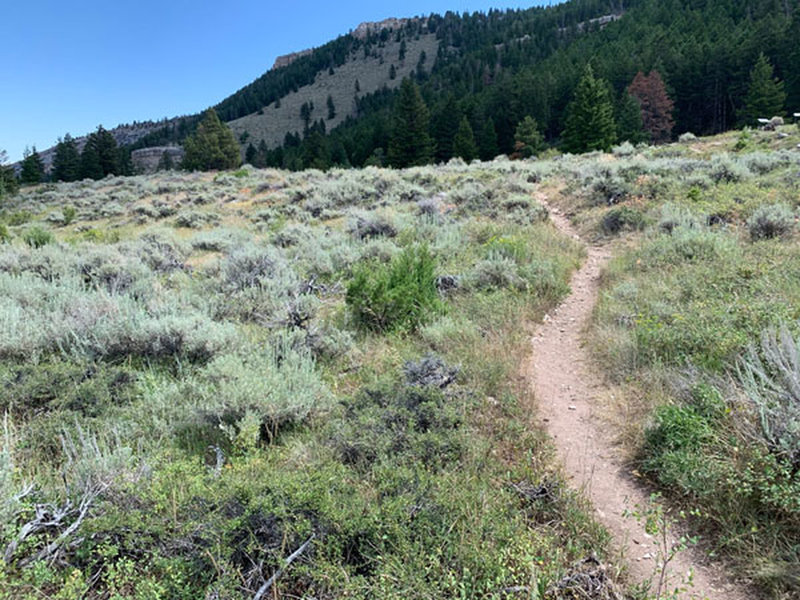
point(565, 387)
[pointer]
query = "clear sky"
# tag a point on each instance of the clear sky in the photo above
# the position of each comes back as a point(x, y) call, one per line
point(70, 65)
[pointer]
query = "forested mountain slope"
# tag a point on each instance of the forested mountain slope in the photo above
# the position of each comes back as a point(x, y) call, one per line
point(333, 105)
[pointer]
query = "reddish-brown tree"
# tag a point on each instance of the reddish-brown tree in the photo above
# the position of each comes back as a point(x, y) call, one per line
point(656, 105)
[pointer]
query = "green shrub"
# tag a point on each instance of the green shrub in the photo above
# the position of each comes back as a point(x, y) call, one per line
point(400, 295)
point(771, 221)
point(19, 217)
point(673, 447)
point(622, 218)
point(36, 237)
point(5, 236)
point(69, 214)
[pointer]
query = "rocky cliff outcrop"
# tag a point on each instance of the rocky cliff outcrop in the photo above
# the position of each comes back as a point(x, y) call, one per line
point(146, 160)
point(287, 59)
point(361, 32)
point(364, 29)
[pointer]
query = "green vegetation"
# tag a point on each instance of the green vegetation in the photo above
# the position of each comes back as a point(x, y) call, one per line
point(212, 147)
point(590, 116)
point(505, 65)
point(529, 141)
point(32, 170)
point(765, 94)
point(697, 329)
point(400, 295)
point(8, 180)
point(411, 144)
point(464, 146)
point(196, 386)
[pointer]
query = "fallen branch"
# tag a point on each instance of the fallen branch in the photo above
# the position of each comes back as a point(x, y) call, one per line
point(292, 557)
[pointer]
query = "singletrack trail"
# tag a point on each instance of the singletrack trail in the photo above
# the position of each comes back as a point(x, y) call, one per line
point(566, 385)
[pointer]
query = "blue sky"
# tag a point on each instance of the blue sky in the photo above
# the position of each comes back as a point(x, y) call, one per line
point(70, 65)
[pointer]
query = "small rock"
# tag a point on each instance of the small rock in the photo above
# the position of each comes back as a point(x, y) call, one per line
point(573, 407)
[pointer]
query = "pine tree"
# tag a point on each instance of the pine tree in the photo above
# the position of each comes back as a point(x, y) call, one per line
point(464, 141)
point(67, 160)
point(250, 154)
point(90, 163)
point(656, 105)
point(32, 168)
point(445, 127)
point(590, 116)
point(629, 120)
point(8, 180)
point(212, 147)
point(105, 146)
point(392, 72)
point(528, 139)
point(410, 144)
point(331, 108)
point(765, 96)
point(488, 146)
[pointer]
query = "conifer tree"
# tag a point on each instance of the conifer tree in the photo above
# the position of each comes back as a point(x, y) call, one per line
point(765, 96)
point(107, 151)
point(32, 171)
point(590, 116)
point(464, 141)
point(212, 147)
point(629, 119)
point(445, 126)
point(528, 139)
point(8, 180)
point(90, 163)
point(331, 108)
point(250, 154)
point(656, 105)
point(410, 144)
point(67, 160)
point(488, 146)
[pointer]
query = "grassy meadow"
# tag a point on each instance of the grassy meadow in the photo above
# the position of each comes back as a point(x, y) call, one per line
point(205, 373)
point(697, 332)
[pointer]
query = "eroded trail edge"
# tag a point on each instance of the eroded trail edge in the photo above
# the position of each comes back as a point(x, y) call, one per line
point(566, 385)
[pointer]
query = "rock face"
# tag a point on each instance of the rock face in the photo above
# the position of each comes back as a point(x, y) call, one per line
point(364, 29)
point(360, 32)
point(146, 160)
point(287, 59)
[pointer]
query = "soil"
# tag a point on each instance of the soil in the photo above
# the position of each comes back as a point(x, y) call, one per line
point(567, 387)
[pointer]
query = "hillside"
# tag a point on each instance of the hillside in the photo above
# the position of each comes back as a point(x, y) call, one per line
point(372, 72)
point(499, 67)
point(207, 373)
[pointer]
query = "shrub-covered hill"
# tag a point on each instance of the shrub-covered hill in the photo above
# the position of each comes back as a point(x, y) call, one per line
point(201, 373)
point(205, 373)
